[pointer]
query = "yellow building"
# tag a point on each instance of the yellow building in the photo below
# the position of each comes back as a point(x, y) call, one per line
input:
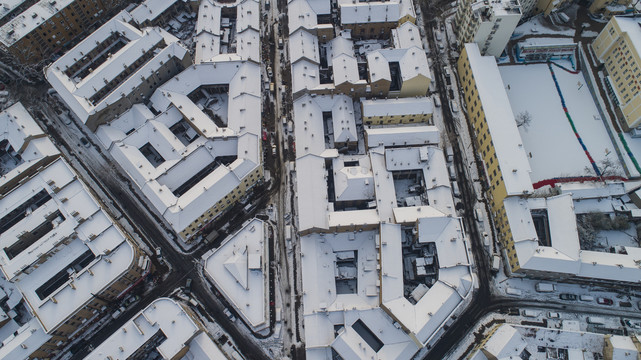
point(547, 6)
point(617, 47)
point(497, 138)
point(621, 347)
point(50, 26)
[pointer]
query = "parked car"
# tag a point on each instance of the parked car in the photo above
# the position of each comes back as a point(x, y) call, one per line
point(604, 301)
point(188, 286)
point(567, 296)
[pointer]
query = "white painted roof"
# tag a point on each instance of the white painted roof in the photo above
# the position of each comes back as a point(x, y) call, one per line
point(402, 135)
point(397, 107)
point(500, 121)
point(229, 267)
point(164, 315)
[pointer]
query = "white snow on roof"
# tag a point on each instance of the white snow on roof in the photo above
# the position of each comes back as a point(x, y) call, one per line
point(149, 10)
point(305, 75)
point(26, 138)
point(397, 107)
point(303, 45)
point(10, 5)
point(319, 270)
point(311, 183)
point(354, 182)
point(407, 35)
point(80, 219)
point(241, 138)
point(244, 284)
point(304, 14)
point(505, 342)
point(356, 12)
point(350, 345)
point(501, 123)
point(564, 254)
point(412, 62)
point(30, 19)
point(631, 26)
point(202, 347)
point(455, 280)
point(164, 316)
point(23, 341)
point(402, 135)
point(345, 69)
point(78, 92)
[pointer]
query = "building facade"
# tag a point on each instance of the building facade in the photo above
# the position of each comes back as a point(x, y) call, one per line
point(48, 27)
point(489, 24)
point(617, 48)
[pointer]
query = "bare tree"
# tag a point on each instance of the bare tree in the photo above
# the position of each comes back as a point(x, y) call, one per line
point(523, 119)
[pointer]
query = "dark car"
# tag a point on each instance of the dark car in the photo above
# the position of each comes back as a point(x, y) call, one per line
point(567, 297)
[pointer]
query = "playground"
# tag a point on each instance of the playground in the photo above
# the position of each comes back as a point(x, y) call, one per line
point(562, 131)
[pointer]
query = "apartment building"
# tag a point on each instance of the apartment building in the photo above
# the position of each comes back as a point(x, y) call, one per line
point(398, 72)
point(24, 147)
point(496, 135)
point(617, 47)
point(489, 23)
point(556, 253)
point(374, 19)
point(167, 327)
point(195, 151)
point(313, 15)
point(63, 252)
point(47, 27)
point(396, 111)
point(115, 67)
point(156, 12)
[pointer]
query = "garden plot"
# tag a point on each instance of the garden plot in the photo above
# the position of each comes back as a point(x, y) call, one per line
point(551, 145)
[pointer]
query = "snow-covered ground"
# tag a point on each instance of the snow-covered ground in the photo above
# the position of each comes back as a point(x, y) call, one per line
point(549, 140)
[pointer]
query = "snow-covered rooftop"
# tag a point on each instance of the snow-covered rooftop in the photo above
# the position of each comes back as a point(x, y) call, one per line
point(402, 135)
point(455, 279)
point(304, 14)
point(356, 12)
point(397, 107)
point(564, 254)
point(163, 316)
point(53, 225)
point(30, 19)
point(211, 33)
point(20, 131)
point(239, 269)
point(149, 10)
point(163, 177)
point(508, 145)
point(412, 62)
point(406, 36)
point(23, 341)
point(89, 80)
